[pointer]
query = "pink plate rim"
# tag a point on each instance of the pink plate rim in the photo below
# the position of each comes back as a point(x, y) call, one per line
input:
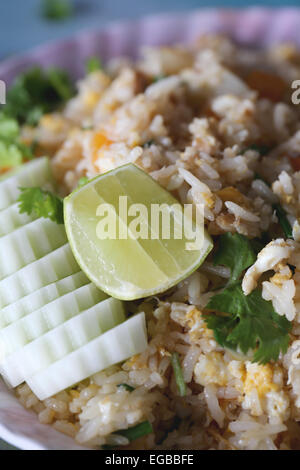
point(252, 26)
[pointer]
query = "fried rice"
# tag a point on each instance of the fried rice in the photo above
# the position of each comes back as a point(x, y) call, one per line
point(194, 118)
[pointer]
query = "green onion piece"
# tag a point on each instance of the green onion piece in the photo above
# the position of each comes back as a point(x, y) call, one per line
point(178, 374)
point(93, 64)
point(285, 225)
point(137, 431)
point(127, 387)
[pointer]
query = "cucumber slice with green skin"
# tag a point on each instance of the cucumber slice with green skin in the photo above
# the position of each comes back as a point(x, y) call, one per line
point(40, 298)
point(61, 341)
point(35, 173)
point(37, 323)
point(51, 268)
point(11, 219)
point(114, 346)
point(28, 244)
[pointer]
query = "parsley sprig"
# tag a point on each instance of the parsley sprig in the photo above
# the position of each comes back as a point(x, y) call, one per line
point(240, 322)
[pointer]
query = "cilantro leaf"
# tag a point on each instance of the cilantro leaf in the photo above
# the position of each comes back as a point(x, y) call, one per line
point(236, 252)
point(36, 92)
point(41, 203)
point(248, 322)
point(93, 64)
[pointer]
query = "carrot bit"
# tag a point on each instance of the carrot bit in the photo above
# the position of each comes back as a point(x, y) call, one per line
point(99, 140)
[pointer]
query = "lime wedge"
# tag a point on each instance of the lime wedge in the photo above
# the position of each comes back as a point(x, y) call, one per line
point(120, 244)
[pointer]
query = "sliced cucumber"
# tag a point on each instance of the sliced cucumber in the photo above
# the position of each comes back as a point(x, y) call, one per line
point(35, 173)
point(46, 318)
point(62, 340)
point(114, 346)
point(51, 268)
point(40, 298)
point(11, 219)
point(28, 244)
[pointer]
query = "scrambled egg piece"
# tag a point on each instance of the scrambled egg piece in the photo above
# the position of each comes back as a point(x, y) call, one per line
point(259, 377)
point(260, 391)
point(195, 321)
point(211, 369)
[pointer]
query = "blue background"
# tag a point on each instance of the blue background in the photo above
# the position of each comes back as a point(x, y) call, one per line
point(22, 25)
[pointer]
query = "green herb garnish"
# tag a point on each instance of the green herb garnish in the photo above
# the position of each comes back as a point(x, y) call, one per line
point(93, 64)
point(159, 77)
point(258, 177)
point(178, 374)
point(236, 252)
point(261, 149)
point(57, 10)
point(36, 92)
point(148, 143)
point(82, 181)
point(41, 203)
point(248, 323)
point(127, 387)
point(10, 155)
point(259, 243)
point(283, 220)
point(245, 322)
point(9, 127)
point(137, 431)
point(12, 150)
